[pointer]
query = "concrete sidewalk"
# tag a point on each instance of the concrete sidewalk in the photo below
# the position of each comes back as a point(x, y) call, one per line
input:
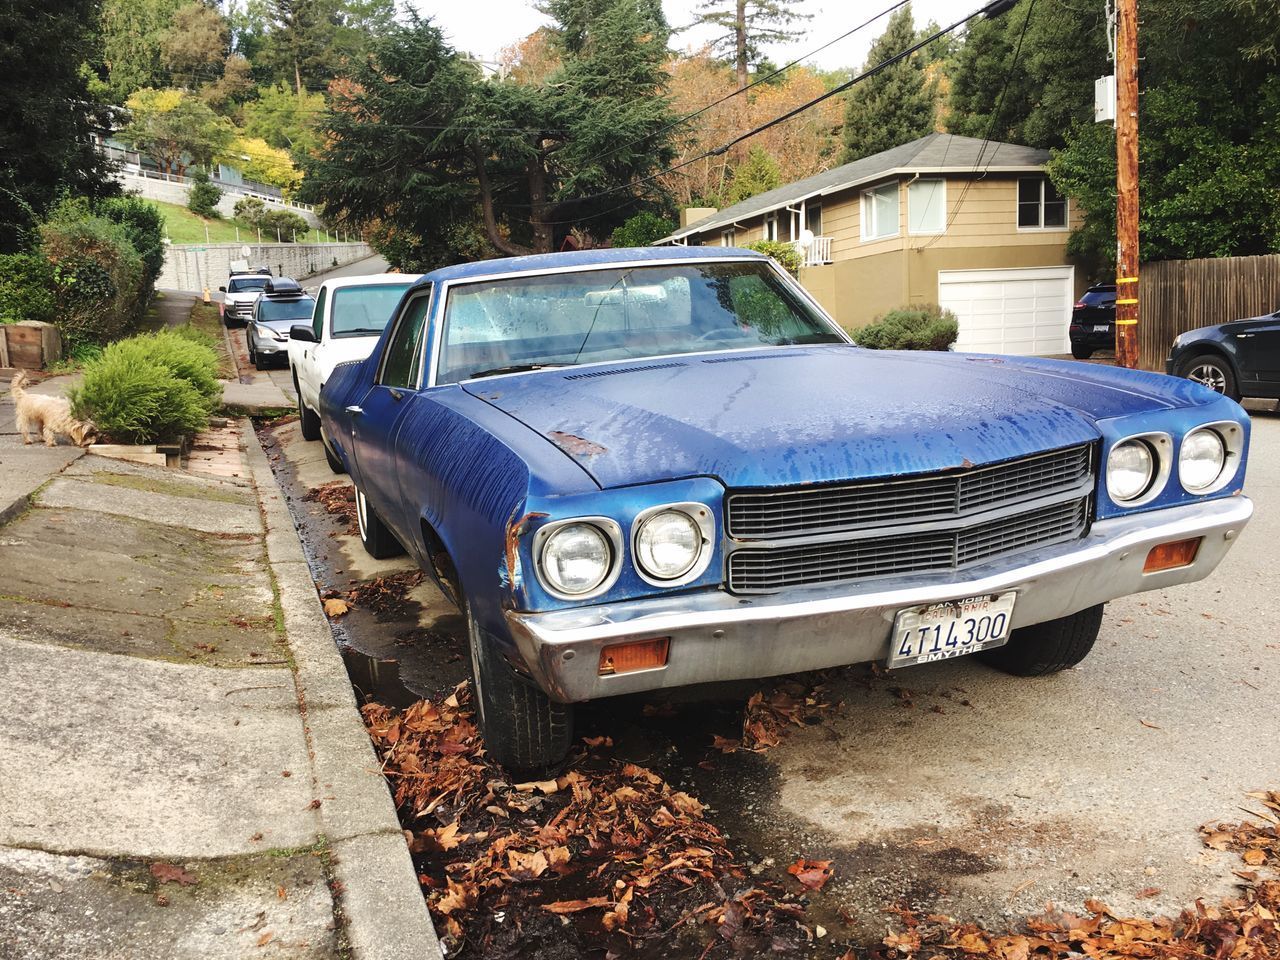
point(183, 772)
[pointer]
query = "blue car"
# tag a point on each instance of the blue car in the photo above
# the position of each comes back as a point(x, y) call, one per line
point(645, 468)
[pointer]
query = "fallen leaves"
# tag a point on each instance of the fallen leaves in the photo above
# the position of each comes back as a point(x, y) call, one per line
point(813, 874)
point(766, 718)
point(335, 607)
point(604, 835)
point(338, 497)
point(172, 873)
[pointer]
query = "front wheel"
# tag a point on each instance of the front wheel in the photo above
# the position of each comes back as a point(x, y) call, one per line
point(1212, 371)
point(524, 729)
point(379, 542)
point(308, 419)
point(1048, 647)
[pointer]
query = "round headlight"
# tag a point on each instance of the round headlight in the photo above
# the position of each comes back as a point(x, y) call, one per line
point(668, 544)
point(1131, 467)
point(1201, 459)
point(576, 559)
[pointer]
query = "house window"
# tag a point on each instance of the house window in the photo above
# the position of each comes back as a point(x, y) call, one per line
point(771, 226)
point(1040, 206)
point(726, 238)
point(813, 218)
point(880, 212)
point(927, 206)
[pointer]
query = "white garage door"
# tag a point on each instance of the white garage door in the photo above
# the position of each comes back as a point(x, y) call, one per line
point(1024, 312)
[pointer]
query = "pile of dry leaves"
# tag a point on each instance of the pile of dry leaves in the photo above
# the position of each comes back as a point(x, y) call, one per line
point(1246, 928)
point(385, 597)
point(610, 842)
point(338, 497)
point(767, 716)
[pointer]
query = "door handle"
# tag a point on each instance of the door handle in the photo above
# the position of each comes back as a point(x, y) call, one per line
point(355, 410)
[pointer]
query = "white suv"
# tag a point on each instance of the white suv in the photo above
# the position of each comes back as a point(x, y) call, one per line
point(349, 315)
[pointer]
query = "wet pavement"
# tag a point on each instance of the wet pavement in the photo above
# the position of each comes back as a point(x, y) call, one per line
point(948, 788)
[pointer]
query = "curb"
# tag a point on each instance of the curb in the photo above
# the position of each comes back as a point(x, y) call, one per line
point(376, 886)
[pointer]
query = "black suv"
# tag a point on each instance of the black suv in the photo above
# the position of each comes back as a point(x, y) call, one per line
point(1239, 359)
point(1093, 321)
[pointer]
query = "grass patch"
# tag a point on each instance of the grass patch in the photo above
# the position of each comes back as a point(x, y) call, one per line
point(183, 226)
point(205, 319)
point(171, 487)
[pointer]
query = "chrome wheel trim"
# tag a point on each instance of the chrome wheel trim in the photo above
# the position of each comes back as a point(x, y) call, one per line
point(1209, 375)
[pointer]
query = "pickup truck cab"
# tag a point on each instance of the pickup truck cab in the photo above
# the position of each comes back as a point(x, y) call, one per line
point(349, 315)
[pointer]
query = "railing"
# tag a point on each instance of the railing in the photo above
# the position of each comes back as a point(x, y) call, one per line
point(239, 188)
point(819, 252)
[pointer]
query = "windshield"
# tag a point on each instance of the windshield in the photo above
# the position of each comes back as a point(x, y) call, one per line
point(273, 310)
point(562, 319)
point(364, 311)
point(245, 284)
point(1099, 298)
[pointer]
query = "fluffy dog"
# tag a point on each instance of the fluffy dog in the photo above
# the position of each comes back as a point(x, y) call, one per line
point(48, 416)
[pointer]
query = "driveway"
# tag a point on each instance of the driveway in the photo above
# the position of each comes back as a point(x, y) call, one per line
point(948, 788)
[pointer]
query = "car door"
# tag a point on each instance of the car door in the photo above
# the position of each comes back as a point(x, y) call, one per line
point(377, 418)
point(1258, 349)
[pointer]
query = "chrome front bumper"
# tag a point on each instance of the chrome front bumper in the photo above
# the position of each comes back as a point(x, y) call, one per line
point(718, 636)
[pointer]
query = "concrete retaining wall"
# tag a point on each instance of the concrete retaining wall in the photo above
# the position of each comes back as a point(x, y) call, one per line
point(198, 267)
point(171, 192)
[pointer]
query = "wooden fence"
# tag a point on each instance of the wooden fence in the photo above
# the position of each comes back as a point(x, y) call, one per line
point(1180, 295)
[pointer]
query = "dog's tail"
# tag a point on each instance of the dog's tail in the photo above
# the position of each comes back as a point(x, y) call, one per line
point(18, 383)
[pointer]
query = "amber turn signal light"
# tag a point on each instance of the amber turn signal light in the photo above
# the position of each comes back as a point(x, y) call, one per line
point(1169, 556)
point(636, 655)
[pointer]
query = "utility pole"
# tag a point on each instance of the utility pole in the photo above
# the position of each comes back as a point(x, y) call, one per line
point(1127, 183)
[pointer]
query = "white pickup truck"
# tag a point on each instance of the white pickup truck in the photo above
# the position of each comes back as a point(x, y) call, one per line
point(349, 315)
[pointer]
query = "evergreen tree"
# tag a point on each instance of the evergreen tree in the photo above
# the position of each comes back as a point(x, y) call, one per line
point(133, 35)
point(746, 26)
point(757, 174)
point(46, 114)
point(300, 45)
point(894, 106)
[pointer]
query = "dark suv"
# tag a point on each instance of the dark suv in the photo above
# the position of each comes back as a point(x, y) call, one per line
point(1093, 321)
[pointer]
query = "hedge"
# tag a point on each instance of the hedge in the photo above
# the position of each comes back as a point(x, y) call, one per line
point(923, 327)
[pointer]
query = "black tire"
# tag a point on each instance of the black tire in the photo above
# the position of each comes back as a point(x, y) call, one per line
point(1214, 372)
point(307, 418)
point(1048, 647)
point(379, 542)
point(1081, 353)
point(331, 458)
point(524, 730)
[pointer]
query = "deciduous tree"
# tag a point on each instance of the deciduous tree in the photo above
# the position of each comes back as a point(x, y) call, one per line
point(175, 129)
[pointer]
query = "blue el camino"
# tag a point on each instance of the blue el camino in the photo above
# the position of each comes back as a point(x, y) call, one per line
point(639, 469)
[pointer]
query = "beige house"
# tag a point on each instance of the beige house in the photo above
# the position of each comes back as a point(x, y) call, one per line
point(973, 225)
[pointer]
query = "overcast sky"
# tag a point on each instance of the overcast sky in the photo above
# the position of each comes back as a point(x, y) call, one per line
point(484, 27)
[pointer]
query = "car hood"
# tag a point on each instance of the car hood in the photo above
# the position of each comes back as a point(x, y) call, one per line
point(813, 414)
point(282, 326)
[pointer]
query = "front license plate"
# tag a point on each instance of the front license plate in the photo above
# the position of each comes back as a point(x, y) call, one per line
point(1102, 328)
point(941, 631)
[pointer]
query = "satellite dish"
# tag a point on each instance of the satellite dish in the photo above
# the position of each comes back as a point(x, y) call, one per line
point(805, 241)
point(246, 251)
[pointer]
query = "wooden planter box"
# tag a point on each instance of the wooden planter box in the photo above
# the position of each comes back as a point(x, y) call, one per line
point(29, 345)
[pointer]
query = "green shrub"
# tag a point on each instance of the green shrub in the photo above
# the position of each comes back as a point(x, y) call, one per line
point(157, 386)
point(100, 281)
point(204, 196)
point(27, 288)
point(143, 224)
point(923, 327)
point(785, 253)
point(286, 222)
point(251, 210)
point(641, 230)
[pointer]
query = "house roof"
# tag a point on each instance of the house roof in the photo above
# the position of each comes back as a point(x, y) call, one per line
point(935, 153)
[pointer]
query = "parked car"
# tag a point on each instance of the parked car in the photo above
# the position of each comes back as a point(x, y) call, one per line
point(349, 315)
point(1238, 359)
point(281, 304)
point(645, 468)
point(1093, 321)
point(240, 290)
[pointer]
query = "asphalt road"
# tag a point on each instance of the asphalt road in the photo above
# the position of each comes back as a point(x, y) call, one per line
point(950, 787)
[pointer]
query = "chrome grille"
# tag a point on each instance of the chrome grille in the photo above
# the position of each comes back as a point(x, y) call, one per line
point(775, 514)
point(754, 570)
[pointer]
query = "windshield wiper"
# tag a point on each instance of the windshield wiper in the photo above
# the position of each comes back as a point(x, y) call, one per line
point(517, 368)
point(359, 330)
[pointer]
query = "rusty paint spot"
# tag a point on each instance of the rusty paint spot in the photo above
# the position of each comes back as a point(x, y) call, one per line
point(966, 464)
point(576, 446)
point(515, 530)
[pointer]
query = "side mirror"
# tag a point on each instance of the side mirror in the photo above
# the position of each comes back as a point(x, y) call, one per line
point(222, 289)
point(302, 331)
